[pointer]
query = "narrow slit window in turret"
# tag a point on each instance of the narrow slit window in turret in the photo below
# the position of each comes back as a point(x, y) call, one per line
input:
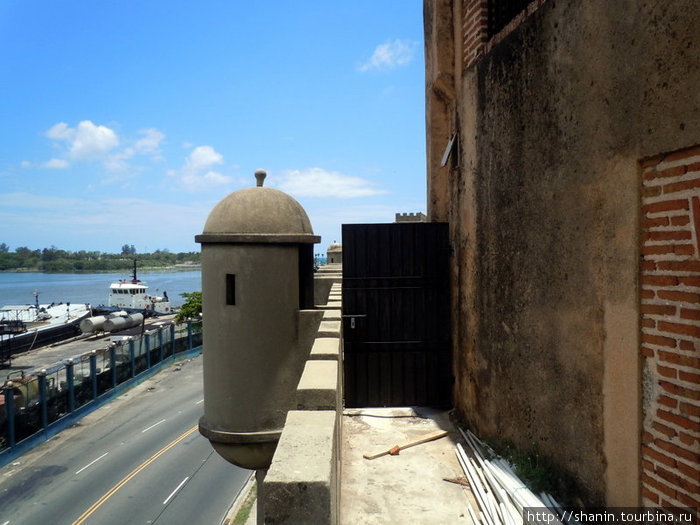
point(230, 289)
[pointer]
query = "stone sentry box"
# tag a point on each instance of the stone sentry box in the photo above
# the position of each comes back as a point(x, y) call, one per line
point(257, 301)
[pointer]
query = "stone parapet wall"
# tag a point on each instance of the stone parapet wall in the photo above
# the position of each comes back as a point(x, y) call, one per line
point(303, 482)
point(670, 323)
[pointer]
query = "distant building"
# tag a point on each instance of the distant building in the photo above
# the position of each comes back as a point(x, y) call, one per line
point(334, 255)
point(411, 217)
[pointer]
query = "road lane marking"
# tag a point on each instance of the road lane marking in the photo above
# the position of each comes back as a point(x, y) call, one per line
point(111, 492)
point(153, 425)
point(175, 491)
point(199, 402)
point(90, 464)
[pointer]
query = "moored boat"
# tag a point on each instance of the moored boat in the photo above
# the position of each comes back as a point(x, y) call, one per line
point(26, 327)
point(132, 295)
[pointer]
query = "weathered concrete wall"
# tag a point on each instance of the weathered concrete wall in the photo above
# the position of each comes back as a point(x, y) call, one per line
point(545, 211)
point(303, 482)
point(258, 343)
point(323, 281)
point(440, 97)
point(301, 485)
point(264, 379)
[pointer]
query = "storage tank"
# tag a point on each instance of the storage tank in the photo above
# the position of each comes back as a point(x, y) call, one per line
point(93, 324)
point(116, 324)
point(96, 323)
point(257, 274)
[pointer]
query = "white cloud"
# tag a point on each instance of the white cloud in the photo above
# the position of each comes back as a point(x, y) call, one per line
point(352, 213)
point(196, 174)
point(202, 157)
point(150, 143)
point(195, 181)
point(88, 142)
point(317, 182)
point(391, 55)
point(327, 216)
point(117, 161)
point(85, 141)
point(56, 164)
point(61, 131)
point(119, 212)
point(46, 219)
point(213, 177)
point(92, 141)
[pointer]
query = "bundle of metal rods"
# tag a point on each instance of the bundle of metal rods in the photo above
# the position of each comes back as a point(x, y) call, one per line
point(502, 497)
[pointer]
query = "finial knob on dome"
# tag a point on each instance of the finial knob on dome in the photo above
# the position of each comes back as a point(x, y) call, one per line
point(260, 176)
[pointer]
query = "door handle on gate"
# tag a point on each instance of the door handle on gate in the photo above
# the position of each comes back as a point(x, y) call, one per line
point(352, 319)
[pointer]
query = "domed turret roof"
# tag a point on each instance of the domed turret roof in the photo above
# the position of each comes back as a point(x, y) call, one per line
point(258, 214)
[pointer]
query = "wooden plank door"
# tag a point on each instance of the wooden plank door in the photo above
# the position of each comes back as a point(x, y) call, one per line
point(396, 319)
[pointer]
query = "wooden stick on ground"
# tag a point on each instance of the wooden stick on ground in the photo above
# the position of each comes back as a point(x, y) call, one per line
point(417, 441)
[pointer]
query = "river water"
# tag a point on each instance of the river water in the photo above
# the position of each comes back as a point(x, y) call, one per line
point(93, 288)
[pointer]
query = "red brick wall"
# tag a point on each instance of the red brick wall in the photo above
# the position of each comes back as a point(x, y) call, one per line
point(475, 39)
point(670, 324)
point(474, 29)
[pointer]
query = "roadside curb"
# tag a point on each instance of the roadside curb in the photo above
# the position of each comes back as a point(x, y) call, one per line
point(238, 503)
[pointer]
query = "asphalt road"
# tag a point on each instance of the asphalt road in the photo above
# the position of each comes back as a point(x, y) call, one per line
point(139, 459)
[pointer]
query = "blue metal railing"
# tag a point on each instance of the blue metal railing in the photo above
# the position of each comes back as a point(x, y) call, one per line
point(40, 404)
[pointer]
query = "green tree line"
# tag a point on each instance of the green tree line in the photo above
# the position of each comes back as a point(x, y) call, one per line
point(55, 260)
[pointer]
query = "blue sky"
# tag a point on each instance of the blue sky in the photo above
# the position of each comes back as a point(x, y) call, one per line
point(126, 122)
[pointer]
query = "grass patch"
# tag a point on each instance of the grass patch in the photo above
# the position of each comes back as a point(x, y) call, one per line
point(537, 471)
point(244, 512)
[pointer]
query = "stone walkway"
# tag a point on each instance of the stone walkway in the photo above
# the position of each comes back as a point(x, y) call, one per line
point(406, 488)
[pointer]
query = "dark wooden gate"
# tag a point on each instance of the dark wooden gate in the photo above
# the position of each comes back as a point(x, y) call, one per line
point(396, 318)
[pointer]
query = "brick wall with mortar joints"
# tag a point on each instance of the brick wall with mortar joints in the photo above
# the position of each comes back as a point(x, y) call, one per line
point(475, 38)
point(670, 326)
point(474, 29)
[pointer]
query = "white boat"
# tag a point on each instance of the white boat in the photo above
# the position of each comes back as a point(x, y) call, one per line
point(132, 295)
point(26, 327)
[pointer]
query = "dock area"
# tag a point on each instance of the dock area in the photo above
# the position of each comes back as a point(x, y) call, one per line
point(46, 356)
point(46, 390)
